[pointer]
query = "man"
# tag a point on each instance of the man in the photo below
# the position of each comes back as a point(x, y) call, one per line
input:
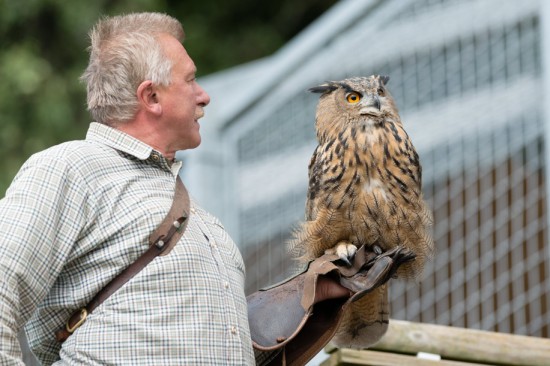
point(80, 212)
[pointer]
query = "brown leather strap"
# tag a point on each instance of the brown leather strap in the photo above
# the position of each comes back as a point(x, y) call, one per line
point(161, 242)
point(180, 208)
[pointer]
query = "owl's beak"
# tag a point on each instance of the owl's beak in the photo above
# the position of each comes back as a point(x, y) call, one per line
point(373, 101)
point(370, 102)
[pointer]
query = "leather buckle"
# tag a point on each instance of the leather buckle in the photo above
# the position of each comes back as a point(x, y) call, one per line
point(83, 316)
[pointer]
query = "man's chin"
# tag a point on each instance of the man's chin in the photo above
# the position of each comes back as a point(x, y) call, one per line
point(193, 144)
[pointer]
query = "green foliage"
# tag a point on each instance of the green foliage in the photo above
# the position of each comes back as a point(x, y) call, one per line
point(43, 52)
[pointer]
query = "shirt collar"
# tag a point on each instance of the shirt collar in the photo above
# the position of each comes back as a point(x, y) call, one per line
point(118, 140)
point(121, 141)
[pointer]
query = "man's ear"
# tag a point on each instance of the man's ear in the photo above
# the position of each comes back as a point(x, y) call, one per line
point(147, 98)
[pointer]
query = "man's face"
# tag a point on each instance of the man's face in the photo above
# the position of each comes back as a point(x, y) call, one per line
point(183, 100)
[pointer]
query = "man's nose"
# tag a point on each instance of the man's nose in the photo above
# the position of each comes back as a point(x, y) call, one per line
point(203, 97)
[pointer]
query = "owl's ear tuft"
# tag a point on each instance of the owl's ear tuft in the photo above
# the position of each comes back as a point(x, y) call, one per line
point(328, 87)
point(384, 79)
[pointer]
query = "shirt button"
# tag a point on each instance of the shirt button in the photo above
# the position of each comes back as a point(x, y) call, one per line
point(155, 157)
point(226, 285)
point(233, 330)
point(193, 210)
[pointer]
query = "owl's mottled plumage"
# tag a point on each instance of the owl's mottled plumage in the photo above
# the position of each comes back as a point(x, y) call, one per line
point(364, 189)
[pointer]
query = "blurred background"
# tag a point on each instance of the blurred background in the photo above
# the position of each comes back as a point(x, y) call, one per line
point(470, 78)
point(43, 53)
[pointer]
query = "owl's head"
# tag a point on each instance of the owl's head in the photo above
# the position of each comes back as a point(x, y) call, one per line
point(356, 99)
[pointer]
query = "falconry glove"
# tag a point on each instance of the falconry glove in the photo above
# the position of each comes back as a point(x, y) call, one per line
point(285, 318)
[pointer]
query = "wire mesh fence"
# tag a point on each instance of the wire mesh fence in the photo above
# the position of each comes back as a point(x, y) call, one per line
point(470, 97)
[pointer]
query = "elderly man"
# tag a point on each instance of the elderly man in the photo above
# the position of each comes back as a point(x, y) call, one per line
point(79, 213)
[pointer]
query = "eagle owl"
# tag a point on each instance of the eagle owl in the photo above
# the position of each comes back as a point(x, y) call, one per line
point(364, 189)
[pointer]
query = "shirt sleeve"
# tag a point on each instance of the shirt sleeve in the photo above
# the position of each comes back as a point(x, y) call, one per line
point(41, 218)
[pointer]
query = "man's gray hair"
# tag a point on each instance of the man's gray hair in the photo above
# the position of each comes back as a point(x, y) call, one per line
point(124, 52)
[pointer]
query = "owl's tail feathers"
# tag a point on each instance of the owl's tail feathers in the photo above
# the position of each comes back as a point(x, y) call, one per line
point(365, 321)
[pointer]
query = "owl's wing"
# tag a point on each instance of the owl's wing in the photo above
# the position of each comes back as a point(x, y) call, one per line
point(406, 162)
point(314, 173)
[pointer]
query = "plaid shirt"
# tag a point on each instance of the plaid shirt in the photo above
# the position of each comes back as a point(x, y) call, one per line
point(75, 216)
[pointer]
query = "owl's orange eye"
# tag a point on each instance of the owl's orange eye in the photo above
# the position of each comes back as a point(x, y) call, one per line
point(353, 97)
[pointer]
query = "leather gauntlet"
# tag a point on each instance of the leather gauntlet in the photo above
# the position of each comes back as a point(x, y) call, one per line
point(284, 317)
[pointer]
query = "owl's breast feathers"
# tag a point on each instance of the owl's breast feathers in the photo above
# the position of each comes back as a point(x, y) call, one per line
point(365, 159)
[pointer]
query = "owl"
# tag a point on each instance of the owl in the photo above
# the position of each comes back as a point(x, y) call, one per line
point(364, 189)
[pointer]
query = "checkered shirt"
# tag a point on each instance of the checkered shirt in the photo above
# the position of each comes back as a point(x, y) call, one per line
point(75, 216)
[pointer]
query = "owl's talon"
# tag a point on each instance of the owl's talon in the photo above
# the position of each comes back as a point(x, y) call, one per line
point(345, 260)
point(344, 250)
point(377, 249)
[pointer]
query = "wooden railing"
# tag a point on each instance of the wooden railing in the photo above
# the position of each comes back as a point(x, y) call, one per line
point(412, 344)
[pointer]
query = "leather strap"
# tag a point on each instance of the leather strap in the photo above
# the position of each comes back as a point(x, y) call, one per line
point(163, 239)
point(180, 208)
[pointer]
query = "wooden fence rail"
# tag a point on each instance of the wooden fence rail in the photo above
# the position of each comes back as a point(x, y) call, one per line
point(456, 346)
